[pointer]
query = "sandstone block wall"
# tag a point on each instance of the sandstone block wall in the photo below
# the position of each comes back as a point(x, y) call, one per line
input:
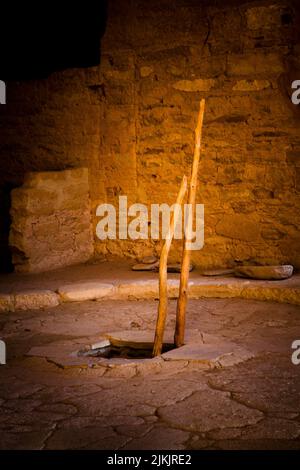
point(131, 122)
point(160, 58)
point(51, 221)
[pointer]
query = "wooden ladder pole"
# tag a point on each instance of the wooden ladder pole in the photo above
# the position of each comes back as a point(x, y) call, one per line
point(163, 269)
point(186, 255)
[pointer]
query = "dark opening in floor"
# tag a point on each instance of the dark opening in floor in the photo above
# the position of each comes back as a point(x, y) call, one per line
point(124, 352)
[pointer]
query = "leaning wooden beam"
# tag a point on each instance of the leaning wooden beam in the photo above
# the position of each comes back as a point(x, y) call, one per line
point(163, 266)
point(186, 256)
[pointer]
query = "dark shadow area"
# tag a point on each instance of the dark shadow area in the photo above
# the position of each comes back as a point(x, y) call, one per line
point(38, 38)
point(130, 351)
point(5, 253)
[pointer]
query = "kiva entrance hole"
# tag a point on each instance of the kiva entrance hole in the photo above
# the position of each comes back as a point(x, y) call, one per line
point(129, 351)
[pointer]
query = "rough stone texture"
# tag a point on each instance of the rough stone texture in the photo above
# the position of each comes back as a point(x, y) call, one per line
point(207, 410)
point(138, 290)
point(131, 121)
point(265, 272)
point(85, 291)
point(6, 303)
point(155, 404)
point(35, 299)
point(51, 221)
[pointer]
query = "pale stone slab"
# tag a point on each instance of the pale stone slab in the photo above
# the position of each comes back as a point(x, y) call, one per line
point(145, 338)
point(136, 339)
point(217, 353)
point(265, 272)
point(149, 260)
point(198, 84)
point(92, 290)
point(35, 299)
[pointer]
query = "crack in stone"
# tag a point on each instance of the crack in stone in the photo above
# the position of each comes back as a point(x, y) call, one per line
point(49, 435)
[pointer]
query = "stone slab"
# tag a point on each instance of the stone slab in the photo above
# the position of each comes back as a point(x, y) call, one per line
point(218, 353)
point(265, 272)
point(92, 290)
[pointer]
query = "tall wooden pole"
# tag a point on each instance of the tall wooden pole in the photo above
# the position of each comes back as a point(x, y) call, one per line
point(163, 268)
point(186, 256)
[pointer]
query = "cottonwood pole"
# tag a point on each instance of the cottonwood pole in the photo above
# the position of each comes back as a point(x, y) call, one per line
point(186, 255)
point(163, 268)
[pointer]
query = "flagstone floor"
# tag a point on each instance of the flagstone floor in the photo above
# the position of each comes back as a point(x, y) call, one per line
point(156, 404)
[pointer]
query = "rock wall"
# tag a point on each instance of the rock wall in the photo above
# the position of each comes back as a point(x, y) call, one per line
point(160, 58)
point(51, 221)
point(131, 122)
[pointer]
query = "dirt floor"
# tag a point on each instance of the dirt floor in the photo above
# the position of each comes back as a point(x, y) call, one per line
point(154, 404)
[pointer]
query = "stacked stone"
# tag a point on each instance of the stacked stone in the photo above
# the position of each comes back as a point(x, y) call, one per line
point(51, 221)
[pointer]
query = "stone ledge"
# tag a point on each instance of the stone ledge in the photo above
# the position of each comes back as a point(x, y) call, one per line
point(35, 299)
point(6, 303)
point(147, 289)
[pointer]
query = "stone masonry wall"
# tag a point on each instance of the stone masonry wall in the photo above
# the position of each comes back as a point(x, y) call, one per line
point(51, 221)
point(131, 122)
point(160, 58)
point(49, 125)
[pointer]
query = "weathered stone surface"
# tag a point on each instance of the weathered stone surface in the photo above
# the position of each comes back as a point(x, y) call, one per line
point(51, 221)
point(238, 226)
point(6, 303)
point(151, 404)
point(264, 17)
point(207, 410)
point(198, 84)
point(145, 71)
point(213, 354)
point(265, 272)
point(161, 437)
point(35, 299)
point(91, 290)
point(251, 85)
point(149, 259)
point(255, 64)
point(145, 289)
